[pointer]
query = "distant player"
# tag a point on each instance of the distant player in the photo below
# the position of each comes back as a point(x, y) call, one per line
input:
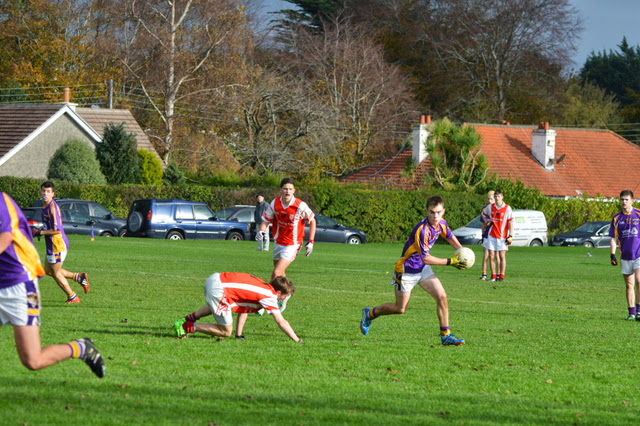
point(500, 235)
point(57, 245)
point(486, 227)
point(414, 268)
point(20, 270)
point(625, 230)
point(229, 292)
point(287, 215)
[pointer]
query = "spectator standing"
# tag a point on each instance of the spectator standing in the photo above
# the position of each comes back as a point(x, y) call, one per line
point(261, 206)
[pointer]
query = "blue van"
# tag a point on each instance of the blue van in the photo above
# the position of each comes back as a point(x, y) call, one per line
point(180, 219)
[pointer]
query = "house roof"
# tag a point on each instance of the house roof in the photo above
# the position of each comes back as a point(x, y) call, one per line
point(389, 172)
point(20, 123)
point(595, 162)
point(98, 118)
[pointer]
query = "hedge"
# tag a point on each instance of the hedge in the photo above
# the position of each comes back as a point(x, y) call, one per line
point(386, 216)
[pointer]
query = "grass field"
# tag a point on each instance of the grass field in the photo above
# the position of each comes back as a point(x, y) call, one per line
point(548, 345)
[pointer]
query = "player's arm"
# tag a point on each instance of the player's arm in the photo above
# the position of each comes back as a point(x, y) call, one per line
point(6, 238)
point(453, 241)
point(312, 229)
point(613, 246)
point(285, 326)
point(432, 260)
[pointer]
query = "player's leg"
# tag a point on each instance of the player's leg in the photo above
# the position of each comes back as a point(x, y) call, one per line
point(636, 278)
point(631, 295)
point(485, 261)
point(502, 259)
point(187, 324)
point(218, 330)
point(434, 287)
point(493, 262)
point(398, 307)
point(54, 270)
point(31, 353)
point(280, 267)
point(242, 319)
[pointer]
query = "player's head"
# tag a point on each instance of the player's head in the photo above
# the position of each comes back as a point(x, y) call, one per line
point(626, 193)
point(491, 197)
point(435, 209)
point(47, 190)
point(283, 285)
point(287, 189)
point(626, 200)
point(498, 196)
point(285, 181)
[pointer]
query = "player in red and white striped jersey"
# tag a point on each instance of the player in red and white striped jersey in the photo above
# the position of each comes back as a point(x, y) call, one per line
point(242, 293)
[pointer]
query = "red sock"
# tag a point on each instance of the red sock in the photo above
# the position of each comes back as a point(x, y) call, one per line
point(191, 317)
point(189, 326)
point(502, 276)
point(494, 276)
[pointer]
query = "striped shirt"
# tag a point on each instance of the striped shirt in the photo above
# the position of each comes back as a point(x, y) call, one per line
point(418, 246)
point(52, 219)
point(499, 218)
point(19, 262)
point(244, 293)
point(626, 228)
point(288, 222)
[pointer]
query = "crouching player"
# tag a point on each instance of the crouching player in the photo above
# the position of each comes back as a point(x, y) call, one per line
point(414, 268)
point(229, 292)
point(20, 270)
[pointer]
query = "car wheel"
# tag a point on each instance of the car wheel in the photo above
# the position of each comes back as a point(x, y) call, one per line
point(122, 231)
point(106, 234)
point(588, 244)
point(535, 243)
point(234, 236)
point(135, 222)
point(354, 239)
point(175, 235)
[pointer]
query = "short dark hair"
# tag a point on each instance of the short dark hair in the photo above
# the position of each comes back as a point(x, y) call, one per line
point(626, 192)
point(434, 201)
point(285, 181)
point(283, 285)
point(258, 195)
point(498, 191)
point(48, 184)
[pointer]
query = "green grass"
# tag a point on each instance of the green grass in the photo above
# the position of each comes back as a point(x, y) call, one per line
point(548, 345)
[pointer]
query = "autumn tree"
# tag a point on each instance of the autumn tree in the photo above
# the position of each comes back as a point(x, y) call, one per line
point(588, 104)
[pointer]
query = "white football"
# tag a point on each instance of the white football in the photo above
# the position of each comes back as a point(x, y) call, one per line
point(466, 254)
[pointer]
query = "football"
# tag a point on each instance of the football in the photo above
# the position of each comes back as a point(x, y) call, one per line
point(466, 254)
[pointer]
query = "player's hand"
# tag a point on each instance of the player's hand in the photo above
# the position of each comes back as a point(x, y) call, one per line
point(614, 261)
point(456, 262)
point(309, 249)
point(36, 232)
point(261, 235)
point(508, 240)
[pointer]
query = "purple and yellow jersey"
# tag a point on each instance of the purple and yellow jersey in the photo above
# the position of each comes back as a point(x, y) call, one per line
point(20, 261)
point(419, 244)
point(486, 220)
point(626, 228)
point(52, 219)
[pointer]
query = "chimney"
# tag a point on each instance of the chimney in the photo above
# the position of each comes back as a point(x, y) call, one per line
point(543, 146)
point(66, 98)
point(419, 134)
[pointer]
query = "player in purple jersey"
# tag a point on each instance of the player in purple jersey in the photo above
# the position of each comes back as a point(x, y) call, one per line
point(625, 232)
point(57, 245)
point(20, 270)
point(486, 227)
point(414, 268)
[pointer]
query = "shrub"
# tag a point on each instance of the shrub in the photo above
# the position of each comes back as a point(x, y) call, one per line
point(173, 175)
point(75, 162)
point(150, 168)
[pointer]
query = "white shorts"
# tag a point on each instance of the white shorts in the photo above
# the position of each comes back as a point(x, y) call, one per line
point(286, 252)
point(628, 266)
point(20, 304)
point(495, 244)
point(57, 258)
point(213, 294)
point(409, 281)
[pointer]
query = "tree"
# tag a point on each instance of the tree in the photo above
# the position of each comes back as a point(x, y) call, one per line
point(180, 49)
point(456, 158)
point(490, 46)
point(173, 175)
point(117, 154)
point(75, 162)
point(150, 168)
point(589, 104)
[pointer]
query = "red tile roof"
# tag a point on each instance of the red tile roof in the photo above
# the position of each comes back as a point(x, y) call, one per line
point(595, 162)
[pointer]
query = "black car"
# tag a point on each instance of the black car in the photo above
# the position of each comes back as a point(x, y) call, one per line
point(590, 234)
point(74, 223)
point(95, 211)
point(240, 213)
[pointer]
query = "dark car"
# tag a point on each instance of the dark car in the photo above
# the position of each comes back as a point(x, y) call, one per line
point(95, 211)
point(74, 223)
point(180, 219)
point(590, 234)
point(240, 213)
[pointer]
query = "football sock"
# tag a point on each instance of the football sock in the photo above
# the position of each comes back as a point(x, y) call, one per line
point(191, 317)
point(444, 331)
point(637, 309)
point(632, 310)
point(501, 276)
point(72, 297)
point(189, 326)
point(372, 313)
point(77, 348)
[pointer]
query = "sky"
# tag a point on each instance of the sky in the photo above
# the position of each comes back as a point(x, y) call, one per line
point(605, 23)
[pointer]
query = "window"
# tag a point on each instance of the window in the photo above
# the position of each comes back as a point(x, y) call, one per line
point(184, 212)
point(100, 211)
point(202, 212)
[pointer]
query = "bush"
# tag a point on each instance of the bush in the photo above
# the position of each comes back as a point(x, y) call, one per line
point(173, 175)
point(75, 162)
point(118, 156)
point(150, 168)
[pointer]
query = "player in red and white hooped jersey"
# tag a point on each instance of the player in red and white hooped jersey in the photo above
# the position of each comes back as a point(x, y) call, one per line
point(500, 235)
point(287, 215)
point(242, 293)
